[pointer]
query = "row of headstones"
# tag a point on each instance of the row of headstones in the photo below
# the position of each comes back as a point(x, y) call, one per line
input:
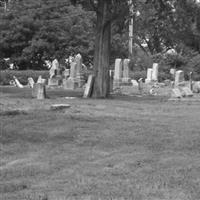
point(121, 71)
point(71, 79)
point(152, 73)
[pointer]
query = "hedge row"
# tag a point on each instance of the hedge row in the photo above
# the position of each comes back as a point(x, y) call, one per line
point(7, 75)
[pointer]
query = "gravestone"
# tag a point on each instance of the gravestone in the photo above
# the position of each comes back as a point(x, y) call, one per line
point(196, 87)
point(79, 71)
point(66, 73)
point(140, 85)
point(149, 75)
point(41, 80)
point(126, 71)
point(71, 82)
point(186, 92)
point(155, 72)
point(134, 83)
point(89, 87)
point(18, 84)
point(39, 91)
point(31, 82)
point(176, 93)
point(54, 68)
point(179, 78)
point(118, 73)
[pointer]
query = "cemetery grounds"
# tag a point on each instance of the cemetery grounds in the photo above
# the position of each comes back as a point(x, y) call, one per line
point(142, 148)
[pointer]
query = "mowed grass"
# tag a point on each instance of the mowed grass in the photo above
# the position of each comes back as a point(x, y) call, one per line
point(101, 149)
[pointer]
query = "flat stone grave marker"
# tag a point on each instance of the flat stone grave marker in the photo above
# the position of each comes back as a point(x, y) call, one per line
point(60, 106)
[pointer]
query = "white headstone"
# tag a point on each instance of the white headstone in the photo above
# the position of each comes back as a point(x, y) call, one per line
point(155, 72)
point(54, 68)
point(179, 77)
point(149, 75)
point(118, 69)
point(126, 71)
point(176, 93)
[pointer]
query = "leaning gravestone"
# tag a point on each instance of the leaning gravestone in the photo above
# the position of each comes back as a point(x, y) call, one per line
point(31, 82)
point(89, 87)
point(18, 84)
point(39, 91)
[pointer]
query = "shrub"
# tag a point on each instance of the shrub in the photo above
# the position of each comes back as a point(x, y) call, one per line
point(7, 75)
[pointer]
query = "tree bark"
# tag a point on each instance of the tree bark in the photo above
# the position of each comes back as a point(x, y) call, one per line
point(102, 50)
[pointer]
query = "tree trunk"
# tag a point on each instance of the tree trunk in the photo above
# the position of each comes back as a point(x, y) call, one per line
point(102, 50)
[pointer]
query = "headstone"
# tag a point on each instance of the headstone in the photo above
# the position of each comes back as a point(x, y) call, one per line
point(118, 72)
point(31, 82)
point(71, 83)
point(179, 78)
point(149, 75)
point(54, 68)
point(173, 71)
point(60, 106)
point(155, 72)
point(41, 80)
point(140, 85)
point(39, 91)
point(196, 87)
point(176, 93)
point(126, 71)
point(79, 71)
point(18, 84)
point(134, 83)
point(89, 86)
point(186, 92)
point(53, 82)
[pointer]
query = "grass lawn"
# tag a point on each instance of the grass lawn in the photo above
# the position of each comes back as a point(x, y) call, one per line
point(121, 148)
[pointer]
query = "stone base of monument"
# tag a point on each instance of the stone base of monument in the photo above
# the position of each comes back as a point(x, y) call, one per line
point(39, 91)
point(69, 84)
point(53, 82)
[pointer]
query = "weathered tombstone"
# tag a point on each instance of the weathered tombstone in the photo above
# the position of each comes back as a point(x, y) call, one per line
point(179, 78)
point(71, 82)
point(118, 73)
point(79, 71)
point(140, 85)
point(186, 92)
point(39, 91)
point(149, 75)
point(155, 72)
point(196, 87)
point(134, 83)
point(173, 71)
point(126, 71)
point(18, 84)
point(55, 74)
point(54, 68)
point(176, 93)
point(89, 86)
point(31, 82)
